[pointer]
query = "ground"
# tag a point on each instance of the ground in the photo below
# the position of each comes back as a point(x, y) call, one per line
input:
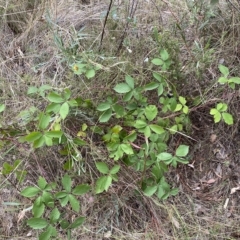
point(38, 41)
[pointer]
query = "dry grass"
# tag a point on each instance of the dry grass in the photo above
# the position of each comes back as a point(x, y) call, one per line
point(199, 37)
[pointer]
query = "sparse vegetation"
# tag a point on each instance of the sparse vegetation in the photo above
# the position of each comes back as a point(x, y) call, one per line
point(119, 119)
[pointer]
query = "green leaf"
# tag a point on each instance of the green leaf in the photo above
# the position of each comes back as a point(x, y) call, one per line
point(74, 203)
point(224, 70)
point(178, 107)
point(61, 195)
point(151, 112)
point(47, 234)
point(151, 86)
point(150, 190)
point(157, 129)
point(182, 151)
point(72, 103)
point(64, 224)
point(90, 73)
point(164, 55)
point(157, 76)
point(30, 191)
point(53, 134)
point(39, 142)
point(160, 90)
point(32, 90)
point(214, 111)
point(127, 97)
point(157, 61)
point(118, 109)
point(228, 119)
point(67, 182)
point(126, 148)
point(77, 222)
point(185, 109)
point(164, 156)
point(64, 110)
point(63, 201)
point(53, 107)
point(66, 94)
point(182, 100)
point(217, 115)
point(54, 215)
point(33, 136)
point(103, 183)
point(131, 137)
point(222, 80)
point(234, 80)
point(115, 169)
point(81, 189)
point(122, 88)
point(130, 81)
point(38, 209)
point(2, 107)
point(182, 160)
point(48, 141)
point(140, 124)
point(37, 223)
point(106, 116)
point(55, 97)
point(174, 191)
point(43, 120)
point(103, 106)
point(146, 131)
point(102, 167)
point(42, 183)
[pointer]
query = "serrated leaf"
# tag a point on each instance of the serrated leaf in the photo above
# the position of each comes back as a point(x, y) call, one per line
point(103, 106)
point(131, 137)
point(160, 90)
point(224, 70)
point(185, 109)
point(64, 110)
point(151, 86)
point(228, 119)
point(182, 100)
point(46, 235)
point(53, 107)
point(164, 55)
point(115, 169)
point(54, 215)
point(126, 148)
point(157, 61)
point(103, 183)
point(37, 223)
point(55, 97)
point(90, 73)
point(32, 90)
point(33, 136)
point(106, 116)
point(74, 203)
point(67, 182)
point(119, 110)
point(178, 107)
point(53, 134)
point(234, 80)
point(39, 142)
point(102, 167)
point(157, 77)
point(150, 190)
point(38, 209)
point(130, 81)
point(217, 117)
point(77, 222)
point(48, 141)
point(222, 80)
point(2, 107)
point(42, 183)
point(30, 191)
point(140, 124)
point(182, 151)
point(146, 131)
point(213, 111)
point(157, 129)
point(67, 94)
point(81, 189)
point(122, 88)
point(164, 156)
point(44, 120)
